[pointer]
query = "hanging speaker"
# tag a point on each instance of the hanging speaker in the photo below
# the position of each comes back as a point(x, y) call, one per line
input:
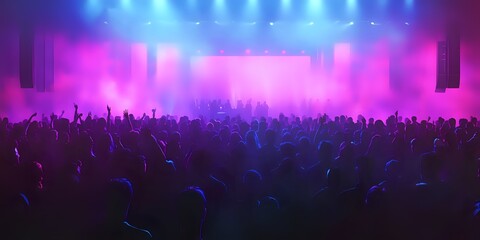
point(26, 57)
point(453, 58)
point(442, 69)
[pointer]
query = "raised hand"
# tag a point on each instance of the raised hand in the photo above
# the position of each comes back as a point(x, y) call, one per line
point(75, 106)
point(109, 109)
point(34, 115)
point(125, 113)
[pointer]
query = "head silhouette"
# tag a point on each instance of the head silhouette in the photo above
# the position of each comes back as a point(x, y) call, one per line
point(119, 196)
point(191, 206)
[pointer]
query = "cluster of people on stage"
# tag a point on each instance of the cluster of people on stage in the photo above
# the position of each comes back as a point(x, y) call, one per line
point(239, 177)
point(217, 109)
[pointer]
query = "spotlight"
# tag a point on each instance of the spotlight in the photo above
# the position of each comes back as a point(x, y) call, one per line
point(407, 23)
point(372, 23)
point(105, 22)
point(248, 51)
point(199, 51)
point(311, 23)
point(254, 23)
point(197, 23)
point(302, 52)
point(284, 52)
point(351, 23)
point(222, 51)
point(272, 23)
point(266, 51)
point(149, 23)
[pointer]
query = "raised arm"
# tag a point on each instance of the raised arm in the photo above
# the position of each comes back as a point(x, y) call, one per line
point(153, 112)
point(127, 118)
point(52, 119)
point(109, 115)
point(79, 116)
point(29, 121)
point(31, 117)
point(75, 115)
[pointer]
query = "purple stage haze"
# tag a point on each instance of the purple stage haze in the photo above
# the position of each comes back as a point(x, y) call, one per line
point(305, 68)
point(94, 74)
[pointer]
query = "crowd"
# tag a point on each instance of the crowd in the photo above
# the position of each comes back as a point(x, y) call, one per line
point(213, 109)
point(286, 177)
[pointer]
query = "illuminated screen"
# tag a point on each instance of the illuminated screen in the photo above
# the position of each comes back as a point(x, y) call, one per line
point(280, 81)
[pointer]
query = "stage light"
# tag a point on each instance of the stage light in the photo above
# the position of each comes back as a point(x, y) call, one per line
point(105, 22)
point(302, 52)
point(199, 51)
point(163, 10)
point(219, 9)
point(248, 51)
point(266, 51)
point(311, 23)
point(315, 4)
point(372, 23)
point(286, 3)
point(159, 4)
point(192, 3)
point(407, 23)
point(383, 3)
point(286, 7)
point(284, 52)
point(351, 4)
point(251, 10)
point(93, 9)
point(352, 7)
point(197, 23)
point(126, 3)
point(351, 23)
point(314, 8)
point(149, 23)
point(219, 3)
point(272, 23)
point(409, 3)
point(222, 51)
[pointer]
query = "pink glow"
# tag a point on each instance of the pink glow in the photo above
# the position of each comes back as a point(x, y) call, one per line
point(260, 78)
point(96, 73)
point(139, 62)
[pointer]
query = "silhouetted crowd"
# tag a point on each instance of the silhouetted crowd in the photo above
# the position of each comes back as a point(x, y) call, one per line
point(286, 177)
